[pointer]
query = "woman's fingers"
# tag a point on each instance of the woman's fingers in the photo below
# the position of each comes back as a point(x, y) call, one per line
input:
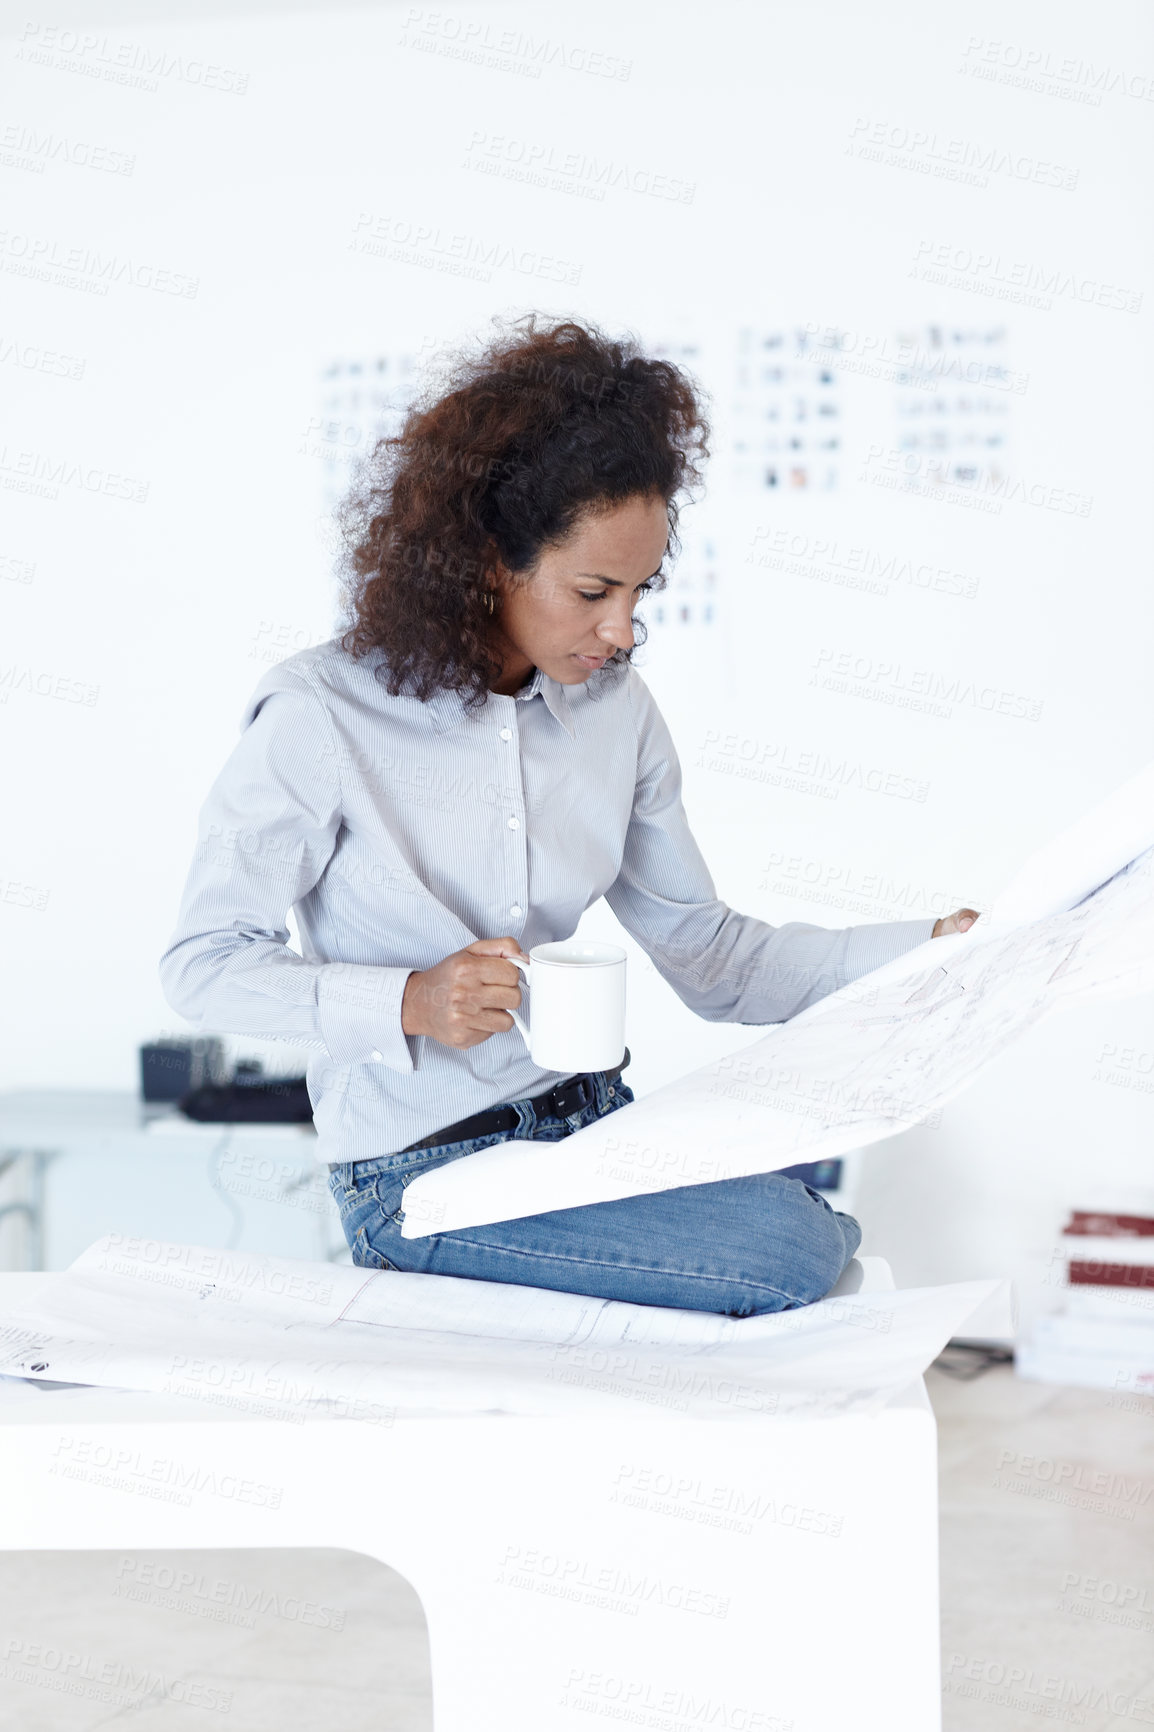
point(960, 921)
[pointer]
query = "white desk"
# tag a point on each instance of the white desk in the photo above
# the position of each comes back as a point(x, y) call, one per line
point(75, 1163)
point(660, 1571)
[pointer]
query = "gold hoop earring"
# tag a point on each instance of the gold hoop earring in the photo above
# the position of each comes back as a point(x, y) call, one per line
point(490, 601)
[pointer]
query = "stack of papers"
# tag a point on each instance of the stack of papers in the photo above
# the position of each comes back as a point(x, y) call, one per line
point(259, 1336)
point(1103, 1338)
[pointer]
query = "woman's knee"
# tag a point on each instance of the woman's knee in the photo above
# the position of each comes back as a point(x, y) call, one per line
point(829, 1241)
point(820, 1242)
point(851, 1231)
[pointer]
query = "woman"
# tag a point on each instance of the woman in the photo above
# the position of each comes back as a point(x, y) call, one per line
point(457, 779)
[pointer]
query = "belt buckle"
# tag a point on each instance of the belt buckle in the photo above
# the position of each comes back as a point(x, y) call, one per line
point(583, 1087)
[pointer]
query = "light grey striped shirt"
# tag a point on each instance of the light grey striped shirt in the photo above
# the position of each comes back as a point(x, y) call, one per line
point(403, 831)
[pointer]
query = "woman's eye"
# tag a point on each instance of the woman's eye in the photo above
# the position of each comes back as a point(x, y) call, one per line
point(602, 593)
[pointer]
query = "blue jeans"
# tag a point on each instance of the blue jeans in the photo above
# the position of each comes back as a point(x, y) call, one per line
point(736, 1246)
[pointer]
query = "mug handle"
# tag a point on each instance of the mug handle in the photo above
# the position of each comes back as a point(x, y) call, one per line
point(522, 1027)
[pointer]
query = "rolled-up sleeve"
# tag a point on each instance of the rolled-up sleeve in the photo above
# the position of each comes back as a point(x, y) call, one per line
point(727, 967)
point(266, 834)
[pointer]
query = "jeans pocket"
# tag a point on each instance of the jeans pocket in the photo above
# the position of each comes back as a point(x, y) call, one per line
point(387, 1189)
point(437, 1158)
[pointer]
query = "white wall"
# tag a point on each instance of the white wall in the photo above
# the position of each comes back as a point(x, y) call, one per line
point(249, 186)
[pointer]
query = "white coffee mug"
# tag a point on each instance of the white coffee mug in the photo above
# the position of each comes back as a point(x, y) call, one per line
point(578, 1015)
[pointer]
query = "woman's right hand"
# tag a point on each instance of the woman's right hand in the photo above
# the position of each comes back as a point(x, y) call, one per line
point(467, 997)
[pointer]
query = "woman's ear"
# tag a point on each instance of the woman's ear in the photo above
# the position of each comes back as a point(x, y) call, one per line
point(493, 570)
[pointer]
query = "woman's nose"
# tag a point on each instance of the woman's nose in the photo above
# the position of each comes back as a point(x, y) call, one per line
point(619, 633)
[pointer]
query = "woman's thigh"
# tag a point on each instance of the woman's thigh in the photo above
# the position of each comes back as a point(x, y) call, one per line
point(736, 1246)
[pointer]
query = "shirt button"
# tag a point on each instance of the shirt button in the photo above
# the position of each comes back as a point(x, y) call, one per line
point(514, 823)
point(376, 1054)
point(516, 909)
point(506, 733)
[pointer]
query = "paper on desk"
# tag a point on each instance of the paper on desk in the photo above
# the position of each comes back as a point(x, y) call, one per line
point(267, 1336)
point(1076, 923)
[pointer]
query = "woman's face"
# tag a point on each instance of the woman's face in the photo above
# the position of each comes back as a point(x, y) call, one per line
point(574, 610)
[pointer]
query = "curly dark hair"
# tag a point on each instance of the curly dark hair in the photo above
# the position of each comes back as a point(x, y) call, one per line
point(498, 458)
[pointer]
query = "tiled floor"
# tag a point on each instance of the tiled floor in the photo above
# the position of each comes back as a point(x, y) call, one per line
point(1047, 1555)
point(285, 1641)
point(1047, 1599)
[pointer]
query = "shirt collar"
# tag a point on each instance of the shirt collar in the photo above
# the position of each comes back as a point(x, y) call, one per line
point(448, 707)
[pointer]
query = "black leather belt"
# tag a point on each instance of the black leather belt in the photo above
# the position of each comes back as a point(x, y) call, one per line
point(559, 1101)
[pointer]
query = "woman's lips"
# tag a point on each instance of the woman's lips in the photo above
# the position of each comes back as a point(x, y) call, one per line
point(592, 661)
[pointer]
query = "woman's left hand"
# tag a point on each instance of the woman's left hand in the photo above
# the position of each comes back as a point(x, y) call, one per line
point(961, 921)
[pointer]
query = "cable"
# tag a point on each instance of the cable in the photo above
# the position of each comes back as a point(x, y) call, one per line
point(225, 1196)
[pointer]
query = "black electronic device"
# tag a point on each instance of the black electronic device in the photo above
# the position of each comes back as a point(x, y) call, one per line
point(192, 1074)
point(169, 1068)
point(250, 1098)
point(824, 1175)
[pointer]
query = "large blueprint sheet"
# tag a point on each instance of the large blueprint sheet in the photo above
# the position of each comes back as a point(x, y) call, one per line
point(1076, 923)
point(252, 1336)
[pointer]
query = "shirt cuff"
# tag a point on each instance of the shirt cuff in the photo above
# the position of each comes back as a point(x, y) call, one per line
point(359, 1010)
point(870, 947)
